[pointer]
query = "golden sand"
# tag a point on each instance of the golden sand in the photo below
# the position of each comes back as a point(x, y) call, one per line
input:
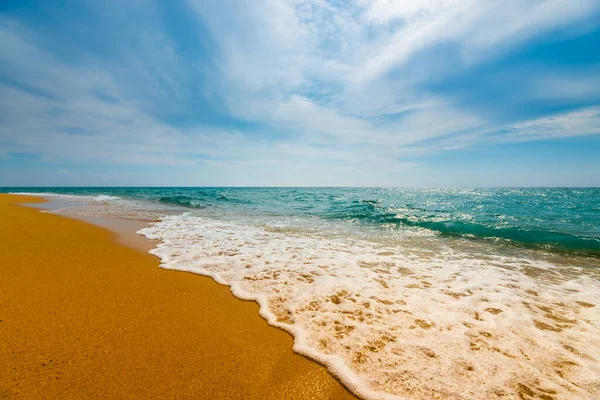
point(84, 317)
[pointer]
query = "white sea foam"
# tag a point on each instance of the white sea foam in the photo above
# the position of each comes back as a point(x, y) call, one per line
point(105, 206)
point(73, 197)
point(105, 198)
point(400, 322)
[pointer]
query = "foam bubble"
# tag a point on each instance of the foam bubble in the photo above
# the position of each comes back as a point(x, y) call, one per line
point(400, 322)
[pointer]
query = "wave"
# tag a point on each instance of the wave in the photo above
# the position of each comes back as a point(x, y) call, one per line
point(530, 237)
point(186, 201)
point(391, 322)
point(450, 224)
point(199, 200)
point(549, 219)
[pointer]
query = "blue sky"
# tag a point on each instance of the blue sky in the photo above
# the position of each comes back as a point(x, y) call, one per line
point(300, 93)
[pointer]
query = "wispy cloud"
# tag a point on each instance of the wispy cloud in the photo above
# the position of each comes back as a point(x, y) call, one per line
point(479, 29)
point(77, 112)
point(576, 123)
point(322, 70)
point(289, 84)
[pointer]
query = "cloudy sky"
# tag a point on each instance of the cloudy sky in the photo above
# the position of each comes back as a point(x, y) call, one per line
point(300, 92)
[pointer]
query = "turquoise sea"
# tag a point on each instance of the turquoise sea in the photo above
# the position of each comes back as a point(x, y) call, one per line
point(549, 218)
point(401, 293)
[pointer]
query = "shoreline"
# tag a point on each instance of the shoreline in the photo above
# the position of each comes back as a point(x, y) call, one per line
point(84, 315)
point(125, 230)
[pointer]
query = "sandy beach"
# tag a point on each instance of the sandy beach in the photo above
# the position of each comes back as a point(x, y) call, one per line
point(83, 316)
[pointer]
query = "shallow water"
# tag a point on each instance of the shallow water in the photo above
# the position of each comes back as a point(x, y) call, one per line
point(453, 293)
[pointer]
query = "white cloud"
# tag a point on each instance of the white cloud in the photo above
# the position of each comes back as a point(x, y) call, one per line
point(479, 28)
point(575, 123)
point(319, 69)
point(313, 75)
point(57, 113)
point(64, 171)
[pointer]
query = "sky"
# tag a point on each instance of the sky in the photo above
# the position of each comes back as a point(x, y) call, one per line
point(430, 93)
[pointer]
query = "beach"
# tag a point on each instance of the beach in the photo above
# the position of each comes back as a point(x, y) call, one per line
point(83, 316)
point(397, 293)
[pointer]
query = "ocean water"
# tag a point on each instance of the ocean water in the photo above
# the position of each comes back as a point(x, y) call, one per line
point(402, 293)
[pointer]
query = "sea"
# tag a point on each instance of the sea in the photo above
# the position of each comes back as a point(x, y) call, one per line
point(401, 293)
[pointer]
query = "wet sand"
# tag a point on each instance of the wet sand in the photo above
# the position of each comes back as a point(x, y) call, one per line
point(83, 316)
